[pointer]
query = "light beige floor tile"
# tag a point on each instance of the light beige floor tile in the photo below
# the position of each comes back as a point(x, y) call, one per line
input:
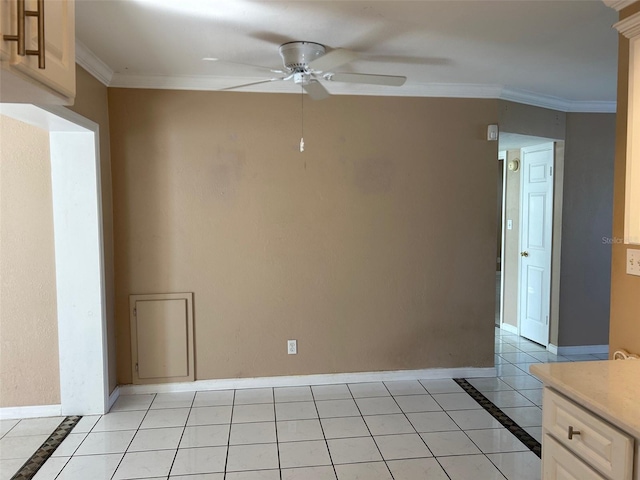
point(304, 454)
point(248, 433)
point(255, 475)
point(417, 469)
point(408, 387)
point(372, 389)
point(496, 440)
point(388, 424)
point(474, 419)
point(432, 422)
point(253, 396)
point(252, 457)
point(377, 406)
point(127, 403)
point(216, 398)
point(199, 460)
point(456, 401)
point(344, 427)
point(518, 466)
point(254, 413)
point(337, 408)
point(363, 471)
point(449, 443)
point(445, 385)
point(205, 436)
point(156, 439)
point(209, 416)
point(173, 400)
point(396, 447)
point(309, 473)
point(95, 467)
point(20, 447)
point(165, 418)
point(296, 411)
point(116, 421)
point(299, 430)
point(145, 464)
point(353, 450)
point(293, 394)
point(469, 467)
point(525, 416)
point(418, 403)
point(51, 468)
point(35, 426)
point(331, 392)
point(102, 443)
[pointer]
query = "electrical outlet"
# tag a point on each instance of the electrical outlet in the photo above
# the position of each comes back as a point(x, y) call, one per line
point(633, 261)
point(292, 347)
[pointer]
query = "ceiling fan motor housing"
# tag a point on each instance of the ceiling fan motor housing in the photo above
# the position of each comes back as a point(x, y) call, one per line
point(296, 56)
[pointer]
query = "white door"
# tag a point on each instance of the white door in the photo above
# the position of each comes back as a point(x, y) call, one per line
point(536, 221)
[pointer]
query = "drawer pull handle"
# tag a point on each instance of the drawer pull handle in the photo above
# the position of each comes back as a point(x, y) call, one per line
point(572, 432)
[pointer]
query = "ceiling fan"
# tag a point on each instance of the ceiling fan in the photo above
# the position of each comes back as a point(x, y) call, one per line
point(308, 64)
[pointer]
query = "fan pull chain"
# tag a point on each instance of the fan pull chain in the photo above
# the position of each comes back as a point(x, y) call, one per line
point(301, 119)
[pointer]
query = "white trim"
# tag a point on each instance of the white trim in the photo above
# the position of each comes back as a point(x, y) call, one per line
point(7, 413)
point(113, 397)
point(630, 26)
point(448, 90)
point(618, 4)
point(300, 380)
point(583, 350)
point(502, 155)
point(551, 348)
point(92, 64)
point(509, 328)
point(556, 103)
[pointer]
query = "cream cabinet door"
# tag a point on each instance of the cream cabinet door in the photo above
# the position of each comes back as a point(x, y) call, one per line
point(560, 464)
point(59, 73)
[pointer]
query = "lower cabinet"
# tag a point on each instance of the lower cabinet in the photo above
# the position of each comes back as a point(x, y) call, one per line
point(577, 444)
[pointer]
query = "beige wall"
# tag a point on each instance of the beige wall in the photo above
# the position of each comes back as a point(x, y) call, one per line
point(512, 243)
point(375, 248)
point(28, 317)
point(91, 102)
point(624, 331)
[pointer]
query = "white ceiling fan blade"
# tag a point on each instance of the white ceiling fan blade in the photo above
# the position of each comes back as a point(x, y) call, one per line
point(389, 80)
point(333, 59)
point(235, 87)
point(316, 90)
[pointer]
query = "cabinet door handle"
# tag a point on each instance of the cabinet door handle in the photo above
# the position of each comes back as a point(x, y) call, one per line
point(20, 35)
point(39, 13)
point(571, 432)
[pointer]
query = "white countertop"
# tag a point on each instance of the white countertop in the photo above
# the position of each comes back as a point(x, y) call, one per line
point(609, 388)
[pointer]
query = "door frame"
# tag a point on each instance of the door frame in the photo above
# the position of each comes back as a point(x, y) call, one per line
point(79, 254)
point(559, 147)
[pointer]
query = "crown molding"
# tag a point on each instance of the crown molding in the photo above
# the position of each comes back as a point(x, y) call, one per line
point(92, 64)
point(618, 4)
point(630, 26)
point(447, 90)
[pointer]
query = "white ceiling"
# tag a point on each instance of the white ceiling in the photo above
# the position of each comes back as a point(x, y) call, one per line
point(557, 54)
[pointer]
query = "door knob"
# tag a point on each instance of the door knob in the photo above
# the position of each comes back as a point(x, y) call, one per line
point(524, 254)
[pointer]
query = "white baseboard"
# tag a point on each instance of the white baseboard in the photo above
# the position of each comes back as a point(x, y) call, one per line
point(303, 380)
point(583, 350)
point(509, 328)
point(113, 397)
point(551, 348)
point(30, 412)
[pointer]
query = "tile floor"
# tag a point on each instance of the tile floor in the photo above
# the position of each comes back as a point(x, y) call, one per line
point(372, 431)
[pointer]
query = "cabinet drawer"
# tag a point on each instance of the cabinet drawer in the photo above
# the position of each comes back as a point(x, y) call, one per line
point(560, 464)
point(601, 445)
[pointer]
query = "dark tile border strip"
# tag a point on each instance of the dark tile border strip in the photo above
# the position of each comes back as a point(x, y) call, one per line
point(31, 466)
point(519, 432)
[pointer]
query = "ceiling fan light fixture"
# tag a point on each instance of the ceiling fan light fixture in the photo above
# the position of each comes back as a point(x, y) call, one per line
point(296, 56)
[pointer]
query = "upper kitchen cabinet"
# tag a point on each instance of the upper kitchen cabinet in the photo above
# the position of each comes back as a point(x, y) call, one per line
point(37, 51)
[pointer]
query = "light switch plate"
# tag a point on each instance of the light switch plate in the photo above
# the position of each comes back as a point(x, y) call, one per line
point(633, 261)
